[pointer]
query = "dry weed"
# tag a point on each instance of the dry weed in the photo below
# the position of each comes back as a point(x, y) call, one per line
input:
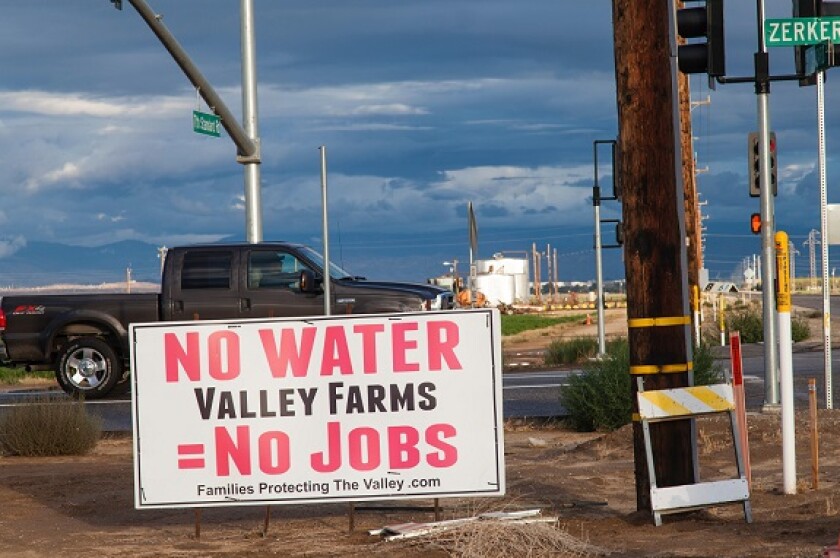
point(494, 539)
point(711, 443)
point(830, 507)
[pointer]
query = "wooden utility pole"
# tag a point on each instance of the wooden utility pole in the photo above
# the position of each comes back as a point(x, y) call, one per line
point(689, 173)
point(692, 216)
point(654, 235)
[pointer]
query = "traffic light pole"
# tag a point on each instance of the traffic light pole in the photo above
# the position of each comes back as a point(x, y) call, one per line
point(768, 242)
point(599, 273)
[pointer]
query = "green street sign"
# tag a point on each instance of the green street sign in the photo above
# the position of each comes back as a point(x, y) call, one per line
point(801, 31)
point(208, 124)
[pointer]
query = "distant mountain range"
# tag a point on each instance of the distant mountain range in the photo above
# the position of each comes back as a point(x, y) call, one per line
point(47, 263)
point(50, 263)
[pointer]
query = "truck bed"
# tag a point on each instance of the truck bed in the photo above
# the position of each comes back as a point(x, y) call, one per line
point(32, 319)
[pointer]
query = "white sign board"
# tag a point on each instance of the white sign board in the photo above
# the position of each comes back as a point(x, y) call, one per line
point(833, 223)
point(248, 412)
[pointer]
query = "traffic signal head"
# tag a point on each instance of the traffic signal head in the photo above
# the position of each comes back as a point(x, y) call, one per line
point(755, 223)
point(117, 4)
point(702, 22)
point(619, 233)
point(754, 163)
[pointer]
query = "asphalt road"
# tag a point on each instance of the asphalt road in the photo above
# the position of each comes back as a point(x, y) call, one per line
point(526, 394)
point(533, 394)
point(536, 393)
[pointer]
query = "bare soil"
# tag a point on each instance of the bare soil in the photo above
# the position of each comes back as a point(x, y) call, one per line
point(83, 506)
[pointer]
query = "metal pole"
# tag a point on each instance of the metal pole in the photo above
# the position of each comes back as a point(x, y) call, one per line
point(253, 205)
point(768, 248)
point(599, 274)
point(826, 288)
point(326, 233)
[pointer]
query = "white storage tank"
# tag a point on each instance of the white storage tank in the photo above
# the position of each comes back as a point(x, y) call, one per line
point(496, 287)
point(506, 266)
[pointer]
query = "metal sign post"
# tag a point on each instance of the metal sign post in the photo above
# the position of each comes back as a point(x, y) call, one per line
point(824, 234)
point(327, 283)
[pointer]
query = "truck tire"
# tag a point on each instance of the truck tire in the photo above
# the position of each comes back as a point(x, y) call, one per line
point(88, 367)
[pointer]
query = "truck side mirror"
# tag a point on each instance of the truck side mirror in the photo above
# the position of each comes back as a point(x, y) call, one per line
point(309, 282)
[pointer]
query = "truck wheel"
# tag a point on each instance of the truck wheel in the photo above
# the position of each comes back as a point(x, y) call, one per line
point(88, 367)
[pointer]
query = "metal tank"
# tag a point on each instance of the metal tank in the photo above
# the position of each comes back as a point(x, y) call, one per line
point(496, 287)
point(500, 265)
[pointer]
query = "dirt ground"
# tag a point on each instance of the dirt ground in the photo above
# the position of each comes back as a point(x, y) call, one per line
point(83, 506)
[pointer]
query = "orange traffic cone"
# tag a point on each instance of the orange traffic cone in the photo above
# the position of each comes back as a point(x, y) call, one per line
point(588, 320)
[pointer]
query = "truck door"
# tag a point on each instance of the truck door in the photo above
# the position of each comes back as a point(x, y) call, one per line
point(207, 289)
point(272, 287)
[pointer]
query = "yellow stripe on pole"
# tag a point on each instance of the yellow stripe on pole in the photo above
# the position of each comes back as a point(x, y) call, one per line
point(640, 369)
point(654, 322)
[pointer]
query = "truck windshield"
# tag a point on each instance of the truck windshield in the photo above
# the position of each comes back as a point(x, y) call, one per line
point(335, 271)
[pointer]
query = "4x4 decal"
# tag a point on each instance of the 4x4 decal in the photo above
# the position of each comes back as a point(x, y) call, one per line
point(29, 309)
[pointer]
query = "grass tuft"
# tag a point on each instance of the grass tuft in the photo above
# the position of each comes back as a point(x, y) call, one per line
point(517, 323)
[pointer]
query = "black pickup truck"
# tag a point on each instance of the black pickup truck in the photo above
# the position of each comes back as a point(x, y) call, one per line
point(85, 337)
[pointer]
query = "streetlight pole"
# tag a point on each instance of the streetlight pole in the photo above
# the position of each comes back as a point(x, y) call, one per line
point(253, 204)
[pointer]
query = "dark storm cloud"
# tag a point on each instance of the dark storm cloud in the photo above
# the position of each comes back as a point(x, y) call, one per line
point(423, 106)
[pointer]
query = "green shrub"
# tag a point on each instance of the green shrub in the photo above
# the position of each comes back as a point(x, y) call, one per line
point(601, 399)
point(750, 323)
point(799, 329)
point(42, 427)
point(706, 370)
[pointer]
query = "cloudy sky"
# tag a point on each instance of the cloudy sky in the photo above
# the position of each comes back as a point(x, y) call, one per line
point(423, 107)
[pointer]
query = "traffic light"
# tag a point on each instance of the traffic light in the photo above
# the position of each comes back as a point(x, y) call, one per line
point(619, 233)
point(755, 164)
point(707, 57)
point(117, 4)
point(755, 223)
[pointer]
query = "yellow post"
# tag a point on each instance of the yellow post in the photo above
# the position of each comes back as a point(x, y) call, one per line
point(783, 303)
point(783, 306)
point(722, 320)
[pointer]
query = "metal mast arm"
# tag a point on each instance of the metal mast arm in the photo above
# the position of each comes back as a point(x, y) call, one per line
point(247, 149)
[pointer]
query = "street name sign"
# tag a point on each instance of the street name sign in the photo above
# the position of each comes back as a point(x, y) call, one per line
point(801, 31)
point(317, 409)
point(208, 124)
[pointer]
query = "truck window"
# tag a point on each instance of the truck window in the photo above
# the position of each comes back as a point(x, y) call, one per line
point(206, 270)
point(270, 269)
